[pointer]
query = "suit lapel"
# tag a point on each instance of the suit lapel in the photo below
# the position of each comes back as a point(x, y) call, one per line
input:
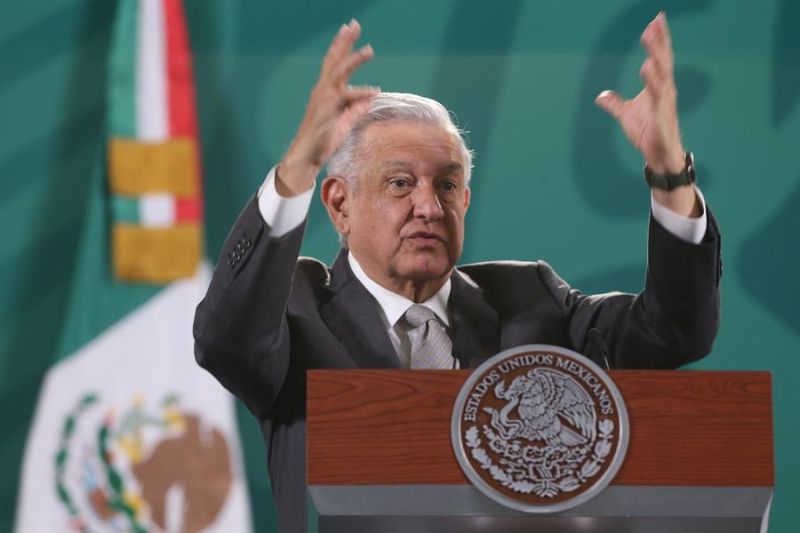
point(353, 317)
point(476, 326)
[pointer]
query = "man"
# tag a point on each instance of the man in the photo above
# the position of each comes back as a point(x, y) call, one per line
point(397, 192)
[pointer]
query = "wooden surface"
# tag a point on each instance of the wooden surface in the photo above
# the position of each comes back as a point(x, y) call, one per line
point(370, 427)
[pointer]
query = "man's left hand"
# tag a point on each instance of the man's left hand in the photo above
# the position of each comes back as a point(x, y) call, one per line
point(650, 120)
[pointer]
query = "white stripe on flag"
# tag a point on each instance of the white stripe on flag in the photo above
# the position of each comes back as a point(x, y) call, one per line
point(157, 210)
point(151, 73)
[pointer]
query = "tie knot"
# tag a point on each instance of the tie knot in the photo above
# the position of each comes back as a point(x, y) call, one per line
point(417, 315)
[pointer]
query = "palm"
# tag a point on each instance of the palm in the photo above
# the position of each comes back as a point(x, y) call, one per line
point(650, 129)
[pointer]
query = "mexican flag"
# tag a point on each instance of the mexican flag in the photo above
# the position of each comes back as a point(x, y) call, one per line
point(129, 433)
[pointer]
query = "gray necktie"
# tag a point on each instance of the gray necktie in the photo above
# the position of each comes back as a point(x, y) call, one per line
point(431, 347)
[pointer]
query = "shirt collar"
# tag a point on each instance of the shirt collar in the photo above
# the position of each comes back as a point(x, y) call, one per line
point(394, 305)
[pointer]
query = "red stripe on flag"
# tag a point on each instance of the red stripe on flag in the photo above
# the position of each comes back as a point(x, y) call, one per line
point(181, 90)
point(187, 209)
point(180, 86)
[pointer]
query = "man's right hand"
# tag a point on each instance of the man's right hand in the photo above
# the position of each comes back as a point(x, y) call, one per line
point(332, 110)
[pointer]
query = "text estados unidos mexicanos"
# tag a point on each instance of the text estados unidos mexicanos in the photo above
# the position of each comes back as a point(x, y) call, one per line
point(593, 383)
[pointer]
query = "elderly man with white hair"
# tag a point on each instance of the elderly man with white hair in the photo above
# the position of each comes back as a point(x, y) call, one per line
point(397, 191)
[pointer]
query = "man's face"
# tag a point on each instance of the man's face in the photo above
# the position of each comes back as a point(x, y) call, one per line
point(406, 215)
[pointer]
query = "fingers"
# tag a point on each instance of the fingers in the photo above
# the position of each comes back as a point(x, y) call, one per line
point(658, 44)
point(610, 102)
point(341, 45)
point(665, 32)
point(339, 64)
point(354, 95)
point(651, 78)
point(341, 61)
point(350, 63)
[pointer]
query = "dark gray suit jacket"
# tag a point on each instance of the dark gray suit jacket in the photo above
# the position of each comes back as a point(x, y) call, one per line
point(268, 317)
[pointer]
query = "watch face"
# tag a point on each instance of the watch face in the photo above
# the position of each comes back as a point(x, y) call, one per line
point(690, 167)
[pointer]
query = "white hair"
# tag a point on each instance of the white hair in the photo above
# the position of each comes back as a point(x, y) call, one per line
point(395, 107)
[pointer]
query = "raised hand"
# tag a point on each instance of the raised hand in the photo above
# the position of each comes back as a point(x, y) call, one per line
point(650, 120)
point(333, 108)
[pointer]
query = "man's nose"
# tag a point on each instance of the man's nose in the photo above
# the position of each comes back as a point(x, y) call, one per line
point(427, 203)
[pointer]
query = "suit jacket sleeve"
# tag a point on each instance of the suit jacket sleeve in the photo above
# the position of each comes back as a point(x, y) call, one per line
point(240, 328)
point(673, 321)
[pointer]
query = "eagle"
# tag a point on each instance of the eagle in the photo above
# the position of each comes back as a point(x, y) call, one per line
point(551, 407)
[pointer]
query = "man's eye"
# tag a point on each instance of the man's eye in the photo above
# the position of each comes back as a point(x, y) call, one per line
point(399, 183)
point(449, 186)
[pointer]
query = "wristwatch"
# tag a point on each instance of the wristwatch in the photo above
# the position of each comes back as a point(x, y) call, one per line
point(667, 182)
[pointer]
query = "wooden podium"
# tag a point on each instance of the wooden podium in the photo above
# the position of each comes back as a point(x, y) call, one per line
point(380, 458)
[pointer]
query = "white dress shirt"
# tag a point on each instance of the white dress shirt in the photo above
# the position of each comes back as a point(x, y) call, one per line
point(393, 306)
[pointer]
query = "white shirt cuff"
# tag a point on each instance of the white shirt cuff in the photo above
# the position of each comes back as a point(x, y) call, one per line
point(685, 228)
point(282, 213)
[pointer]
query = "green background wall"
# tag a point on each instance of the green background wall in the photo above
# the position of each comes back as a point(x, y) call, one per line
point(521, 76)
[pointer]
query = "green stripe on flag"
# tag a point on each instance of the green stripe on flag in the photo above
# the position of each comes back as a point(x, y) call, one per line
point(124, 209)
point(122, 71)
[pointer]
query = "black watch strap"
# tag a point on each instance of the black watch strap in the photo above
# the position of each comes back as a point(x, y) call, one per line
point(668, 182)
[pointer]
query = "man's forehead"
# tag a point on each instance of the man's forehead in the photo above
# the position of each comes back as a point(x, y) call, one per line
point(406, 144)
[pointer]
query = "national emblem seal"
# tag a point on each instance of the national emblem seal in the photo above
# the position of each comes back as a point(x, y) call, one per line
point(540, 428)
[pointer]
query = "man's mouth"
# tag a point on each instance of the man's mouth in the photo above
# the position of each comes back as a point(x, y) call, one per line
point(425, 238)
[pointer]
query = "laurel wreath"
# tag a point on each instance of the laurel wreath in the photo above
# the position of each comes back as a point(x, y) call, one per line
point(116, 483)
point(62, 459)
point(544, 488)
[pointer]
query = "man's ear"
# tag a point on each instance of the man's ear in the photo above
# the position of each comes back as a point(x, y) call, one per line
point(336, 198)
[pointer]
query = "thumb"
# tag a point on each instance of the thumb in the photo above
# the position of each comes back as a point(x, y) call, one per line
point(611, 102)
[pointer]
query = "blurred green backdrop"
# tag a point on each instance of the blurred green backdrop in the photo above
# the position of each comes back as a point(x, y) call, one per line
point(521, 76)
